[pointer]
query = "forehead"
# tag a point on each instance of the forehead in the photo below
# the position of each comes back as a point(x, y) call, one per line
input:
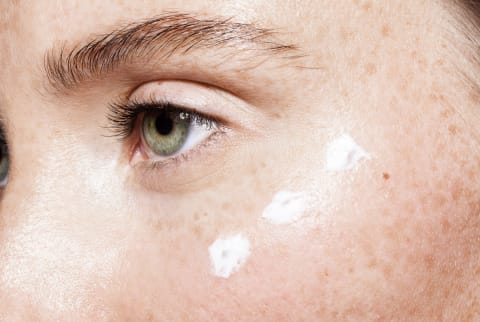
point(75, 14)
point(32, 26)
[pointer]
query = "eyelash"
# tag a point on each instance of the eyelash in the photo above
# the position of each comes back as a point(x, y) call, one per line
point(126, 118)
point(123, 117)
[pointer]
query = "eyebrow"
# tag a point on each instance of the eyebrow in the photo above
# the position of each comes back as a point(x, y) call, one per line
point(160, 37)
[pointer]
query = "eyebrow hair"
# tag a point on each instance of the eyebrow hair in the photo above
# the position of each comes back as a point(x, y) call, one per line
point(161, 37)
point(466, 18)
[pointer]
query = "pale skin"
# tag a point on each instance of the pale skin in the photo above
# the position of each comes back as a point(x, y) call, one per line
point(88, 233)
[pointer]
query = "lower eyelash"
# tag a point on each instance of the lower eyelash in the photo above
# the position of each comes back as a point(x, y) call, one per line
point(178, 159)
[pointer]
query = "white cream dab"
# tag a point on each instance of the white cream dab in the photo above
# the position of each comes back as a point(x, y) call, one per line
point(286, 207)
point(228, 254)
point(344, 154)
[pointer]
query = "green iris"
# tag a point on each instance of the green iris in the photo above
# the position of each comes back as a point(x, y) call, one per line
point(4, 164)
point(165, 132)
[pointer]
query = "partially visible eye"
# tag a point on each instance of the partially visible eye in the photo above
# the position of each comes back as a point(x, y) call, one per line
point(4, 163)
point(169, 131)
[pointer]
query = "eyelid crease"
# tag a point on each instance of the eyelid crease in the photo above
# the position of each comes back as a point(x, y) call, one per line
point(162, 36)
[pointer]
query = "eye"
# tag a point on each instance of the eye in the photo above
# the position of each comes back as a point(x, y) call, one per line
point(175, 135)
point(4, 163)
point(171, 131)
point(164, 131)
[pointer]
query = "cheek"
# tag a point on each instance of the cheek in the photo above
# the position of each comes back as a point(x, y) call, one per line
point(394, 233)
point(381, 229)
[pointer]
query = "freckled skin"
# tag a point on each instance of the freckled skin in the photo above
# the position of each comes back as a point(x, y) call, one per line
point(396, 239)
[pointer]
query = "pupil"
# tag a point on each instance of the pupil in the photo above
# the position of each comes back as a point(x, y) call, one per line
point(164, 124)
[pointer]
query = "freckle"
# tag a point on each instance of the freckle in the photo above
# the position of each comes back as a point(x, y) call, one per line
point(440, 63)
point(199, 216)
point(456, 192)
point(471, 174)
point(198, 231)
point(386, 176)
point(370, 69)
point(353, 61)
point(440, 201)
point(429, 261)
point(282, 252)
point(158, 226)
point(346, 34)
point(422, 63)
point(445, 113)
point(322, 275)
point(413, 54)
point(477, 271)
point(387, 271)
point(253, 170)
point(386, 30)
point(276, 116)
point(452, 129)
point(474, 96)
point(445, 225)
point(372, 263)
point(367, 6)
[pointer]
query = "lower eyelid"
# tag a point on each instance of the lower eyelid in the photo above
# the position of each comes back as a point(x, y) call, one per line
point(143, 157)
point(183, 172)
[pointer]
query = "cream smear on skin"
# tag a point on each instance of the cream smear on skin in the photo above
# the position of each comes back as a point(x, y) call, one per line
point(286, 207)
point(229, 254)
point(344, 154)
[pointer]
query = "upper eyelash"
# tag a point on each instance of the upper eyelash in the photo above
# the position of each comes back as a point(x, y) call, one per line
point(123, 116)
point(3, 139)
point(3, 136)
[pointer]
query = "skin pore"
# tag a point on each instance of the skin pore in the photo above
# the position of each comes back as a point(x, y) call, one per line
point(93, 226)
